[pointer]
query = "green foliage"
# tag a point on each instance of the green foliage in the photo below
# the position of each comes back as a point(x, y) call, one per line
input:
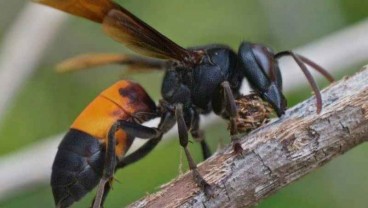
point(354, 10)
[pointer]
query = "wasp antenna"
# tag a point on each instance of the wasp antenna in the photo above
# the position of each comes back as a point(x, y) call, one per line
point(307, 74)
point(317, 67)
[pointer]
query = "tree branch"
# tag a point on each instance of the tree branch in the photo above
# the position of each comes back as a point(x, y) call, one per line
point(278, 153)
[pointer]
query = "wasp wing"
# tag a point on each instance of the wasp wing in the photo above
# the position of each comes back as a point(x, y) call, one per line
point(126, 28)
point(94, 10)
point(87, 61)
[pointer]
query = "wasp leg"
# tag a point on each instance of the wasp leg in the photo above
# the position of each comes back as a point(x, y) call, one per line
point(137, 130)
point(107, 189)
point(134, 129)
point(133, 157)
point(183, 137)
point(154, 136)
point(109, 166)
point(139, 153)
point(198, 135)
point(233, 114)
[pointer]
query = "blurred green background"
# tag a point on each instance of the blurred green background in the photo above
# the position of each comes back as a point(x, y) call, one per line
point(49, 102)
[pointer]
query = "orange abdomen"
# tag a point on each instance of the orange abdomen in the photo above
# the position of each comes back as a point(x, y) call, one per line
point(118, 102)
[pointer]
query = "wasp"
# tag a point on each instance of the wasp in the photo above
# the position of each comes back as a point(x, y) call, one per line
point(197, 80)
point(98, 139)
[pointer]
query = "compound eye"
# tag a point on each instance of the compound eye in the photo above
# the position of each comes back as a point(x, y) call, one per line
point(261, 50)
point(263, 57)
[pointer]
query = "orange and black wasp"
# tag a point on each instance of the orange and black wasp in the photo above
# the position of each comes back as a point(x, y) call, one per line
point(197, 81)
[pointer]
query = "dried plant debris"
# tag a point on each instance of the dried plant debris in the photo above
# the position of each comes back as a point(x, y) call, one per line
point(253, 112)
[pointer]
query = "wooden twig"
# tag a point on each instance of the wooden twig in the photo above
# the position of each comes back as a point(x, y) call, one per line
point(278, 153)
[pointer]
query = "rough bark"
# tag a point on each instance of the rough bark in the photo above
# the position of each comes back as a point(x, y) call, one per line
point(278, 153)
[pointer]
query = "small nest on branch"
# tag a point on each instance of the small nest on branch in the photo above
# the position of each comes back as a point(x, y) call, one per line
point(253, 112)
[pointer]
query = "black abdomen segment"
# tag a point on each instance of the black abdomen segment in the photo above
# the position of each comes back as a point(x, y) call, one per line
point(77, 167)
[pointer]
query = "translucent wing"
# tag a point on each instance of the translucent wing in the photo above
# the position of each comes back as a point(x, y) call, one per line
point(94, 10)
point(87, 61)
point(126, 28)
point(140, 37)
